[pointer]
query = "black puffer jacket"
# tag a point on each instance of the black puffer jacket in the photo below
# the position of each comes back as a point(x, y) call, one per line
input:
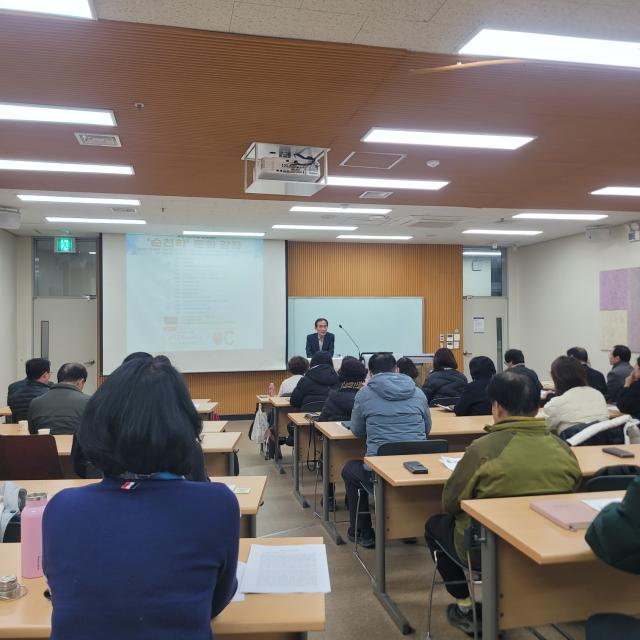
point(314, 387)
point(339, 403)
point(444, 386)
point(475, 399)
point(21, 394)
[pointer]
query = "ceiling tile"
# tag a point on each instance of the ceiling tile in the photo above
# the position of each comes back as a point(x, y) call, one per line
point(402, 9)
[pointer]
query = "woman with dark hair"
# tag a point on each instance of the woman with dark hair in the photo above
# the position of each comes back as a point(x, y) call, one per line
point(575, 402)
point(405, 365)
point(144, 553)
point(339, 402)
point(445, 384)
point(297, 367)
point(474, 400)
point(313, 388)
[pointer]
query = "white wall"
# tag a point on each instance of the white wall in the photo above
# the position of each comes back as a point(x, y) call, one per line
point(554, 296)
point(8, 322)
point(476, 283)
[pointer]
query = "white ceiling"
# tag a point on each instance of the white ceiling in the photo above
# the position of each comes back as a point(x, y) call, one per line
point(435, 26)
point(172, 215)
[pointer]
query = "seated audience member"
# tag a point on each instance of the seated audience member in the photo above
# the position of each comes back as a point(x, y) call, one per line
point(474, 400)
point(297, 367)
point(21, 393)
point(313, 388)
point(575, 402)
point(339, 402)
point(408, 368)
point(629, 396)
point(389, 409)
point(620, 370)
point(595, 378)
point(517, 457)
point(444, 384)
point(514, 359)
point(144, 553)
point(135, 355)
point(61, 409)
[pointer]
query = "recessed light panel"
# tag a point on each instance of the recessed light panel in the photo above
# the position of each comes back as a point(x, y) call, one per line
point(65, 167)
point(94, 220)
point(77, 200)
point(70, 8)
point(379, 183)
point(59, 115)
point(235, 234)
point(560, 216)
point(446, 139)
point(350, 237)
point(300, 209)
point(482, 253)
point(312, 227)
point(617, 191)
point(541, 46)
point(502, 232)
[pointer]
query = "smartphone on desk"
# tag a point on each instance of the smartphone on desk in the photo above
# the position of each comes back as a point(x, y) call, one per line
point(619, 453)
point(413, 466)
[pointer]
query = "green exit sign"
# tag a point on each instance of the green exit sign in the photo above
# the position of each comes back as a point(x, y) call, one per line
point(65, 245)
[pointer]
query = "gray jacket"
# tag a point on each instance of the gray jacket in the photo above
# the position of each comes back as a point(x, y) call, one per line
point(616, 378)
point(59, 410)
point(390, 409)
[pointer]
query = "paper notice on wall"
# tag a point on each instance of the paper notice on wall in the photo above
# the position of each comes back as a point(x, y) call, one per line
point(449, 340)
point(478, 324)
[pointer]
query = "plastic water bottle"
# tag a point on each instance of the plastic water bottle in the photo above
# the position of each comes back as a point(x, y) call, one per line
point(272, 389)
point(31, 535)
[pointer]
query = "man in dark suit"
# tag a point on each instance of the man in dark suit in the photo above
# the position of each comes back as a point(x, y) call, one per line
point(21, 393)
point(595, 379)
point(321, 340)
point(514, 359)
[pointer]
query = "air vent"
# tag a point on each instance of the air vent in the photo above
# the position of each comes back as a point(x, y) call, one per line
point(124, 209)
point(368, 160)
point(98, 139)
point(376, 195)
point(427, 222)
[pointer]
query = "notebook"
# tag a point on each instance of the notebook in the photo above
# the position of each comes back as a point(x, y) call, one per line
point(569, 514)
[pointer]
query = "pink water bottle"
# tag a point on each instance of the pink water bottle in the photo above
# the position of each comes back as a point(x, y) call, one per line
point(272, 389)
point(31, 535)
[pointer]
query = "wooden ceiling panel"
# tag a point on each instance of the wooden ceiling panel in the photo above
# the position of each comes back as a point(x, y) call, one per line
point(208, 95)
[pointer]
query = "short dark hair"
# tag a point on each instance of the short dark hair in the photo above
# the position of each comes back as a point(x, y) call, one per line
point(579, 354)
point(406, 366)
point(72, 371)
point(321, 357)
point(321, 320)
point(621, 351)
point(567, 373)
point(36, 368)
point(352, 370)
point(298, 365)
point(444, 359)
point(514, 356)
point(137, 354)
point(515, 393)
point(382, 363)
point(142, 419)
point(481, 367)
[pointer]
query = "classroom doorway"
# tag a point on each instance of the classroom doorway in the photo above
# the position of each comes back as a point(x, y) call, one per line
point(485, 329)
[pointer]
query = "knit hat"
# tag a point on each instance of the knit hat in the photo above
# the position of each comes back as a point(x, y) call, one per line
point(352, 370)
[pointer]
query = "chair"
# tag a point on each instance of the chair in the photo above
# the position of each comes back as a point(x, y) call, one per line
point(612, 626)
point(29, 458)
point(609, 483)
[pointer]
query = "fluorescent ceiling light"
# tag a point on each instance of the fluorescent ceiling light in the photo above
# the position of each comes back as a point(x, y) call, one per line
point(561, 216)
point(67, 167)
point(540, 46)
point(95, 220)
point(503, 232)
point(617, 191)
point(71, 8)
point(481, 253)
point(374, 237)
point(78, 200)
point(446, 139)
point(312, 227)
point(237, 234)
point(92, 253)
point(65, 115)
point(383, 183)
point(339, 210)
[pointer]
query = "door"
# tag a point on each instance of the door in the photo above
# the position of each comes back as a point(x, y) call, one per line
point(65, 330)
point(485, 329)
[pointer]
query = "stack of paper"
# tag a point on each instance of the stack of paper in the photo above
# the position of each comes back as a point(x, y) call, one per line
point(239, 595)
point(450, 463)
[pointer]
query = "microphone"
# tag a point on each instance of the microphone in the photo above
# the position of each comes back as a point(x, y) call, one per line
point(352, 340)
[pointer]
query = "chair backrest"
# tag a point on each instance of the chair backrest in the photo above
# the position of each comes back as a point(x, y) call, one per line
point(312, 407)
point(413, 447)
point(447, 401)
point(29, 458)
point(609, 483)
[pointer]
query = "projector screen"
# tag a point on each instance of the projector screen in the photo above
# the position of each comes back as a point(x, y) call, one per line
point(209, 304)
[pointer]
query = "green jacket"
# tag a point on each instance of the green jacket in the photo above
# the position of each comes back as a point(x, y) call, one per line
point(518, 457)
point(614, 535)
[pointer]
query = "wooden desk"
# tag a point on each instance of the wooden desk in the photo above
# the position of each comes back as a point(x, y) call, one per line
point(261, 616)
point(206, 408)
point(5, 412)
point(535, 572)
point(301, 428)
point(250, 503)
point(279, 409)
point(218, 449)
point(214, 426)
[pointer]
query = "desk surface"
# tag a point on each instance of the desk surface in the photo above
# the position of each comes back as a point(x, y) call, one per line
point(545, 542)
point(334, 431)
point(205, 407)
point(30, 617)
point(275, 401)
point(214, 426)
point(5, 412)
point(299, 419)
point(249, 502)
point(224, 442)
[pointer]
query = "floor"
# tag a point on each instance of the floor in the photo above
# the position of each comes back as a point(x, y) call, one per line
point(352, 610)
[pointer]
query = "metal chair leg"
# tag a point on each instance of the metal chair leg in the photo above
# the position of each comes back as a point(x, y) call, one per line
point(433, 584)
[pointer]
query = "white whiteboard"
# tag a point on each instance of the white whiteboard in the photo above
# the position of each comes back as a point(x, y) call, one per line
point(376, 324)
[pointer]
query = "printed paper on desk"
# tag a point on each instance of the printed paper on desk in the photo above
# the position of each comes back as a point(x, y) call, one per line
point(450, 463)
point(239, 594)
point(600, 503)
point(299, 568)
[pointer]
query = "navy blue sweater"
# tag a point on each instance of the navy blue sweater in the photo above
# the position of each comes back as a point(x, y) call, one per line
point(155, 563)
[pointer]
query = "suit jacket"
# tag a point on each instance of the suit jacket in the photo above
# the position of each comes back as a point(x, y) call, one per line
point(596, 380)
point(60, 410)
point(313, 345)
point(20, 395)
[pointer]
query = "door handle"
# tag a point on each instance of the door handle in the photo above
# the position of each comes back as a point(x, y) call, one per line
point(467, 353)
point(90, 363)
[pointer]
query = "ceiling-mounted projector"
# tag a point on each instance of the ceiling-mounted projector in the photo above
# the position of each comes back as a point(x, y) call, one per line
point(10, 218)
